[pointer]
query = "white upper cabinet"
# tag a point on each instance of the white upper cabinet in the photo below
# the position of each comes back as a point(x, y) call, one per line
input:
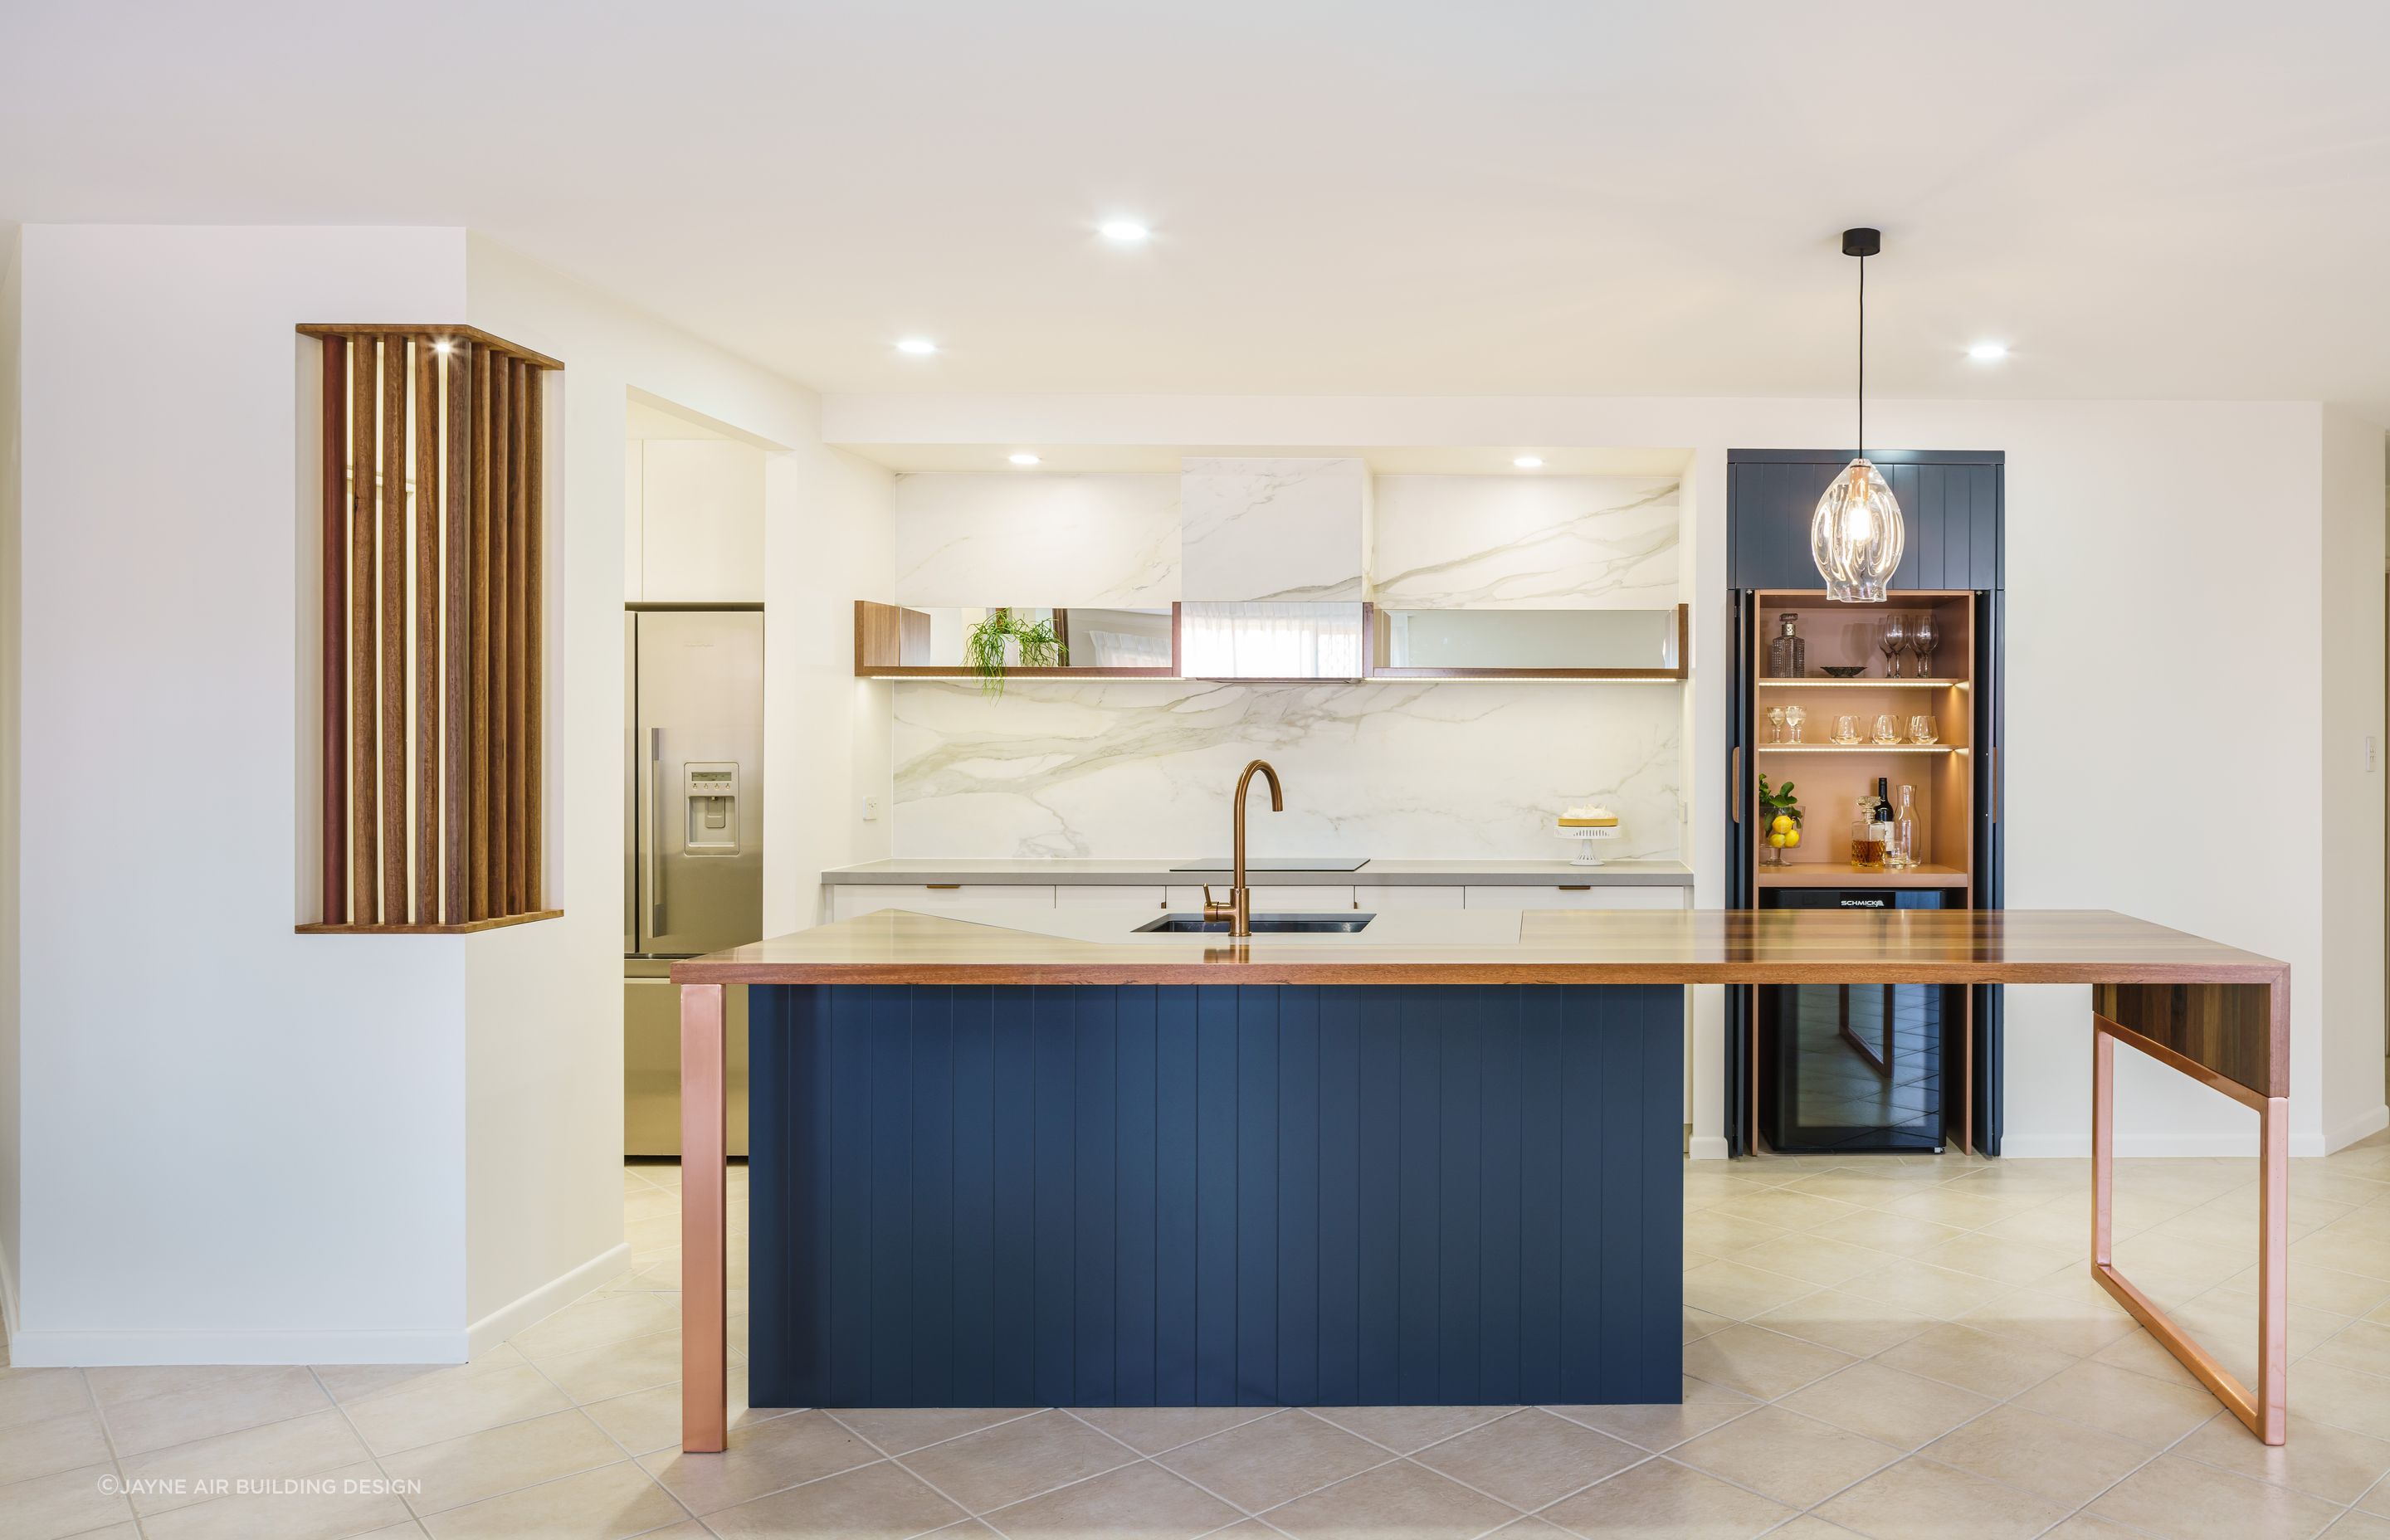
point(1273, 528)
point(697, 522)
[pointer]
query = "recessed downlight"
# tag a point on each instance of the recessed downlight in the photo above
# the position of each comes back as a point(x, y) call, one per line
point(1989, 352)
point(1124, 232)
point(1024, 458)
point(919, 347)
point(1529, 462)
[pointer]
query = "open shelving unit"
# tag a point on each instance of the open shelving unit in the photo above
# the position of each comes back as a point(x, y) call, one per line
point(893, 642)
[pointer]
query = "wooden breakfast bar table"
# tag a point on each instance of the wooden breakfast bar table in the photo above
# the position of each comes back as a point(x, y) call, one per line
point(1017, 1153)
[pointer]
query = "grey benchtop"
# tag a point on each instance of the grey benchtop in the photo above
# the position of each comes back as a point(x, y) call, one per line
point(929, 869)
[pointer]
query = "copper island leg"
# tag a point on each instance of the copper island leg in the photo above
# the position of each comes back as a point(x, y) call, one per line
point(2263, 1412)
point(704, 1390)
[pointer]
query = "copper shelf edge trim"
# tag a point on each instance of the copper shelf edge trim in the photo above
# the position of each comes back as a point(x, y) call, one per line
point(461, 927)
point(2264, 1411)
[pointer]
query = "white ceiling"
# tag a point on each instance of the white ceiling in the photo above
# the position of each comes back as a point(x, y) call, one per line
point(2182, 199)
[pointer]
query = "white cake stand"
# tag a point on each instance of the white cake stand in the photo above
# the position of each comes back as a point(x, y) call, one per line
point(1588, 840)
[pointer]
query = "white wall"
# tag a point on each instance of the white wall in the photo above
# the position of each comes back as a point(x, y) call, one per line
point(545, 1000)
point(11, 1162)
point(697, 518)
point(2166, 595)
point(2350, 653)
point(237, 1143)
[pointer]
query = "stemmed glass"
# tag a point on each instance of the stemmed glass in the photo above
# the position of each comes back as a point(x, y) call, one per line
point(1922, 635)
point(1892, 635)
point(1775, 723)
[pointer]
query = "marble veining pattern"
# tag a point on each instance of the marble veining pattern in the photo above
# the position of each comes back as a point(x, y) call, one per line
point(1139, 768)
point(969, 539)
point(1525, 543)
point(1273, 528)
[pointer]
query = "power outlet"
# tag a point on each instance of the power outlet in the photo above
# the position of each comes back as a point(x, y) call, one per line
point(870, 810)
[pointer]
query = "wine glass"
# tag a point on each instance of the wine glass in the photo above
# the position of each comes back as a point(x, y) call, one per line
point(1891, 635)
point(1775, 723)
point(1922, 635)
point(1793, 717)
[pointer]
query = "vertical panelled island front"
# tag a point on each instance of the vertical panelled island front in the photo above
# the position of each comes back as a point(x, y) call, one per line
point(1037, 1157)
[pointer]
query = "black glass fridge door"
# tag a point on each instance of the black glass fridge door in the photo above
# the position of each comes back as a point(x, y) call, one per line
point(1856, 1068)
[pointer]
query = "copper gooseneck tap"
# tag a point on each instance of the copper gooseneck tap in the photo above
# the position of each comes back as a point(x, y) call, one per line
point(1239, 910)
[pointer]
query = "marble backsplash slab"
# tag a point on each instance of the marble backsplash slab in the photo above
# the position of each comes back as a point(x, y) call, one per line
point(1273, 528)
point(1145, 768)
point(972, 539)
point(1525, 543)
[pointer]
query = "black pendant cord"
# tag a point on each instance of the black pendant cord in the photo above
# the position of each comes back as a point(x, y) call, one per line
point(1862, 358)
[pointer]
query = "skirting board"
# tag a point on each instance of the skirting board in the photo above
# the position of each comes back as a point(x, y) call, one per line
point(112, 1349)
point(1708, 1147)
point(547, 1300)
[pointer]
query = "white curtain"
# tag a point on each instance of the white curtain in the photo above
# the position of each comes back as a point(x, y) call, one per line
point(1269, 639)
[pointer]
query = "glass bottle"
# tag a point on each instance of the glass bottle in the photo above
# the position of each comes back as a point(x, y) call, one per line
point(1788, 656)
point(1904, 830)
point(1867, 837)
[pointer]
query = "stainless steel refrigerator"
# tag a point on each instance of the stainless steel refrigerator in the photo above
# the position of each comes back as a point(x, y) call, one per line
point(693, 839)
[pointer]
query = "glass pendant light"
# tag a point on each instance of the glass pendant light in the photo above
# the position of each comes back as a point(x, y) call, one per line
point(1856, 535)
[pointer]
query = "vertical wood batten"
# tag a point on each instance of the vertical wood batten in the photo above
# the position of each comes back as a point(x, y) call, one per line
point(499, 746)
point(478, 746)
point(456, 497)
point(518, 635)
point(426, 634)
point(394, 629)
point(333, 564)
point(365, 882)
point(535, 627)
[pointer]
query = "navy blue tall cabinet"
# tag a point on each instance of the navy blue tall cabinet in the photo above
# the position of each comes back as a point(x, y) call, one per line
point(1952, 505)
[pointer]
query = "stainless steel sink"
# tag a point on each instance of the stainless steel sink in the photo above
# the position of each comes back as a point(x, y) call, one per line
point(1263, 925)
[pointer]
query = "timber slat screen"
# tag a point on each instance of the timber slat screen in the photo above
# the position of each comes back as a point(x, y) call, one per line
point(430, 631)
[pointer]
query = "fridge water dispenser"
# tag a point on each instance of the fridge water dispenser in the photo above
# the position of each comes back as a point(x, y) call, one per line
point(710, 809)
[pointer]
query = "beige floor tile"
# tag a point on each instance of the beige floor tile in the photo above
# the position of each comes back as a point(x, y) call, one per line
point(596, 1321)
point(1812, 1258)
point(2362, 1345)
point(1903, 1410)
point(2317, 1458)
point(2066, 1462)
point(2142, 1354)
point(1975, 1360)
point(1529, 1459)
point(1701, 1323)
point(113, 1384)
point(762, 1458)
point(1808, 1526)
point(1738, 1293)
point(428, 1413)
point(1397, 1501)
point(301, 1446)
point(2377, 1500)
point(2354, 1525)
point(460, 1471)
point(1764, 1364)
point(605, 1504)
point(1796, 1460)
point(1663, 1500)
point(1712, 1234)
point(901, 1430)
point(645, 1421)
point(1919, 1499)
point(2075, 1328)
point(1273, 1460)
point(1970, 1209)
point(877, 1501)
point(2063, 1225)
point(2207, 1262)
point(57, 1443)
point(2091, 1526)
point(1920, 1289)
point(2225, 1324)
point(618, 1369)
point(1517, 1529)
point(1016, 1460)
point(1404, 1428)
point(2152, 1413)
point(1662, 1427)
point(248, 1399)
point(2325, 1289)
point(1152, 1430)
point(1997, 1258)
point(350, 1506)
point(62, 1502)
point(1894, 1233)
point(2349, 1250)
point(2185, 1500)
point(353, 1383)
point(1844, 1321)
point(1869, 1186)
point(1136, 1502)
point(30, 1396)
point(1785, 1209)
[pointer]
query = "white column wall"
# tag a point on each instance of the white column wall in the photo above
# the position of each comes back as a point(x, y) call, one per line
point(238, 1144)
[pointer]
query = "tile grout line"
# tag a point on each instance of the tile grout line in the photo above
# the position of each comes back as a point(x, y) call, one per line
point(571, 1401)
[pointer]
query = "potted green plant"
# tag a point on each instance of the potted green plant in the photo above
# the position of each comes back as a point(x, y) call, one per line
point(1779, 822)
point(1004, 640)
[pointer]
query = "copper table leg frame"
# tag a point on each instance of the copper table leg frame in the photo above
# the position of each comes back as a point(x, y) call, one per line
point(2264, 1409)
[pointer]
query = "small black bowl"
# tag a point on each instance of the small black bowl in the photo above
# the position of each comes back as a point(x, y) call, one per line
point(1844, 671)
